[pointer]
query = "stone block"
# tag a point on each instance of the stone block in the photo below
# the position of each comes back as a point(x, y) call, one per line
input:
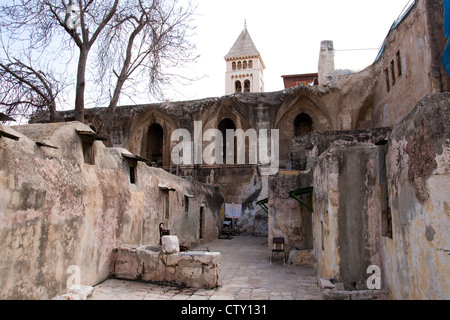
point(67, 296)
point(325, 284)
point(124, 263)
point(328, 294)
point(76, 292)
point(82, 291)
point(299, 257)
point(170, 244)
point(192, 268)
point(369, 295)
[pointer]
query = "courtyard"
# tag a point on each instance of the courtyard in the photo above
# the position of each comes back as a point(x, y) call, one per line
point(246, 271)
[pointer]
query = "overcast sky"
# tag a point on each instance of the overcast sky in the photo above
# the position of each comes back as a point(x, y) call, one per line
point(287, 33)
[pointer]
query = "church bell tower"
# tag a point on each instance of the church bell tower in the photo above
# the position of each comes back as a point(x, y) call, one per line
point(245, 66)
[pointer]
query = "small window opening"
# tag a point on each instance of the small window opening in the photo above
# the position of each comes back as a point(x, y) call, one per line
point(132, 165)
point(88, 152)
point(88, 138)
point(245, 64)
point(186, 204)
point(132, 162)
point(393, 72)
point(165, 203)
point(399, 64)
point(239, 65)
point(233, 66)
point(250, 64)
point(201, 221)
point(388, 82)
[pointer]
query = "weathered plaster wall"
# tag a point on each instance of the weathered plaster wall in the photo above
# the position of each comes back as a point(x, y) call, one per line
point(418, 166)
point(192, 268)
point(346, 212)
point(308, 148)
point(419, 39)
point(57, 211)
point(347, 221)
point(289, 219)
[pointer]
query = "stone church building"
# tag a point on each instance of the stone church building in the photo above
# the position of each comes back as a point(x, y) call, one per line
point(362, 178)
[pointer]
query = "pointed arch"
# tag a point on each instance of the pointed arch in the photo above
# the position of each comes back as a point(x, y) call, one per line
point(298, 117)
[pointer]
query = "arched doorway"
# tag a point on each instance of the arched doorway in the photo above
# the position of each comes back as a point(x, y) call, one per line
point(303, 125)
point(224, 125)
point(155, 144)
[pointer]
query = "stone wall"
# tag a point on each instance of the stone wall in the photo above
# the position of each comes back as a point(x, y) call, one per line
point(346, 212)
point(56, 211)
point(289, 219)
point(148, 263)
point(416, 256)
point(409, 240)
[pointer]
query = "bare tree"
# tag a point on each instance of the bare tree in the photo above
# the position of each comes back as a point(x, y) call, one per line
point(26, 90)
point(42, 22)
point(143, 41)
point(139, 38)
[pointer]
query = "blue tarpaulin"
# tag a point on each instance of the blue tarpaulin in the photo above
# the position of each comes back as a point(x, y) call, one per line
point(446, 55)
point(447, 18)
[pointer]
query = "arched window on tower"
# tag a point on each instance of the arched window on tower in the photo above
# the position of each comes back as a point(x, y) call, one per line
point(303, 125)
point(233, 66)
point(238, 86)
point(239, 65)
point(247, 86)
point(250, 64)
point(245, 64)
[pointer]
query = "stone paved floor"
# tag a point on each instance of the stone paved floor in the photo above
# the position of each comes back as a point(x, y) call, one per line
point(246, 274)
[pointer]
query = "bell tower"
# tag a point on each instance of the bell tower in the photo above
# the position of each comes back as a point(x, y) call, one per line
point(245, 66)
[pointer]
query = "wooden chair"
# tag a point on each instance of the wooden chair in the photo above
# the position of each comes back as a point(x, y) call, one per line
point(278, 247)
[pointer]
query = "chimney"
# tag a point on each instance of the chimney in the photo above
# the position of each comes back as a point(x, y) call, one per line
point(326, 62)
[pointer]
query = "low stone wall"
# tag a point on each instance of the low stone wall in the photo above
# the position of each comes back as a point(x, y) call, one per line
point(330, 291)
point(301, 257)
point(59, 213)
point(289, 219)
point(192, 268)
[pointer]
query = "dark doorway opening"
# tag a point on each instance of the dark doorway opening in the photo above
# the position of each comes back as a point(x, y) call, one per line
point(224, 125)
point(303, 125)
point(155, 144)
